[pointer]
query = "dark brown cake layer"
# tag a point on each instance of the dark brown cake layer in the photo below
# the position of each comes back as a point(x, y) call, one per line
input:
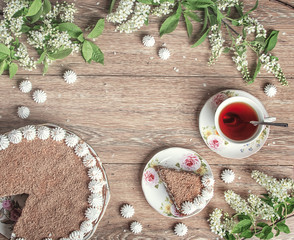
point(56, 182)
point(181, 185)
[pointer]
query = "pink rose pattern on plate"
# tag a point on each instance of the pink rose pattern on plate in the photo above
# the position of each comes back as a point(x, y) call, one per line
point(218, 99)
point(215, 142)
point(191, 163)
point(151, 177)
point(10, 211)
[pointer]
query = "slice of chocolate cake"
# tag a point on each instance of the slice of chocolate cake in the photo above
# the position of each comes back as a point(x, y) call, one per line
point(182, 186)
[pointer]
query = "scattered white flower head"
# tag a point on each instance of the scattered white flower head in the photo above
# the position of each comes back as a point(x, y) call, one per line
point(86, 226)
point(207, 193)
point(70, 76)
point(23, 112)
point(43, 132)
point(15, 136)
point(148, 41)
point(216, 42)
point(163, 9)
point(47, 238)
point(164, 53)
point(92, 213)
point(25, 86)
point(89, 161)
point(71, 140)
point(96, 200)
point(270, 90)
point(29, 132)
point(82, 149)
point(180, 229)
point(228, 176)
point(236, 202)
point(188, 207)
point(39, 96)
point(207, 180)
point(124, 9)
point(76, 235)
point(136, 227)
point(95, 173)
point(127, 211)
point(4, 142)
point(216, 225)
point(58, 134)
point(95, 186)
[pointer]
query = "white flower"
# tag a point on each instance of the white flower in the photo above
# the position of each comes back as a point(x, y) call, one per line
point(4, 143)
point(95, 173)
point(236, 202)
point(224, 4)
point(25, 86)
point(89, 161)
point(57, 134)
point(15, 136)
point(70, 76)
point(148, 41)
point(29, 132)
point(86, 226)
point(127, 211)
point(136, 227)
point(240, 59)
point(216, 42)
point(207, 180)
point(216, 225)
point(188, 208)
point(163, 9)
point(47, 239)
point(228, 176)
point(122, 12)
point(23, 112)
point(76, 235)
point(71, 140)
point(180, 229)
point(95, 186)
point(96, 200)
point(39, 96)
point(164, 53)
point(260, 209)
point(92, 213)
point(24, 59)
point(270, 90)
point(43, 132)
point(82, 149)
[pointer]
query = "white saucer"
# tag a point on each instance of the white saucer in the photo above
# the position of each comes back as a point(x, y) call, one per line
point(218, 144)
point(154, 189)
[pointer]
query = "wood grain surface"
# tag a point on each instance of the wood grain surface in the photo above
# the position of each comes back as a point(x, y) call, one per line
point(137, 104)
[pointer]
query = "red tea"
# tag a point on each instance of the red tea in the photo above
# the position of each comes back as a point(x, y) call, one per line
point(241, 129)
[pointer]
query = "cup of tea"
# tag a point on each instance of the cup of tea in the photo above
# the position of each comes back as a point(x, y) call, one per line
point(232, 120)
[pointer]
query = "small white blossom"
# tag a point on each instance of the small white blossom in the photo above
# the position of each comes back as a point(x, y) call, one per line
point(163, 9)
point(224, 4)
point(122, 12)
point(24, 59)
point(236, 202)
point(216, 42)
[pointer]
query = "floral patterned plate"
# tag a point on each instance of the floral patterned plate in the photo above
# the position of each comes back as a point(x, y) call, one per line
point(154, 189)
point(218, 144)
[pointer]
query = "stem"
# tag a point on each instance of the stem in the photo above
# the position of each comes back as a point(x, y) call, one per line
point(284, 3)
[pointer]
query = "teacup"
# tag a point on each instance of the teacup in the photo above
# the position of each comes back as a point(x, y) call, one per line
point(232, 120)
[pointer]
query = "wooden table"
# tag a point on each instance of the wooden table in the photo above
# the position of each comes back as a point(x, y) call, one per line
point(137, 104)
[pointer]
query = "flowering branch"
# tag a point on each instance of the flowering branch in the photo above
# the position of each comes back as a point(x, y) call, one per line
point(131, 15)
point(50, 30)
point(252, 216)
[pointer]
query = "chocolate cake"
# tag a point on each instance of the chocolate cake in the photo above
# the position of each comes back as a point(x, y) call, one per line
point(64, 179)
point(186, 188)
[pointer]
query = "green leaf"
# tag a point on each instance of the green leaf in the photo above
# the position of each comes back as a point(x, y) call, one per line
point(230, 237)
point(290, 200)
point(42, 57)
point(198, 4)
point(280, 210)
point(87, 50)
point(60, 54)
point(201, 39)
point(25, 28)
point(112, 5)
point(247, 234)
point(188, 26)
point(46, 66)
point(257, 70)
point(46, 7)
point(97, 30)
point(290, 208)
point(97, 55)
point(36, 17)
point(171, 22)
point(149, 2)
point(262, 224)
point(252, 9)
point(34, 8)
point(278, 232)
point(3, 56)
point(193, 16)
point(12, 69)
point(4, 49)
point(146, 21)
point(239, 10)
point(264, 232)
point(235, 23)
point(205, 19)
point(242, 226)
point(242, 217)
point(81, 37)
point(271, 41)
point(270, 235)
point(283, 227)
point(73, 30)
point(2, 67)
point(226, 50)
